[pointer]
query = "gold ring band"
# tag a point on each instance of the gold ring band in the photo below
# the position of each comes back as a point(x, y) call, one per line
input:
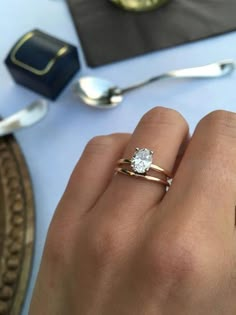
point(152, 167)
point(144, 176)
point(140, 164)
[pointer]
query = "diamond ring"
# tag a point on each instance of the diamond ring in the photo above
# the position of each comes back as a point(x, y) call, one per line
point(140, 163)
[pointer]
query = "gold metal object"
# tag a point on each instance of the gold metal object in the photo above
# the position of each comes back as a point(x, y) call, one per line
point(140, 5)
point(152, 167)
point(16, 227)
point(25, 66)
point(141, 164)
point(144, 176)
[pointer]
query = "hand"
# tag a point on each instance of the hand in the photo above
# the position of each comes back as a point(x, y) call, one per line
point(119, 245)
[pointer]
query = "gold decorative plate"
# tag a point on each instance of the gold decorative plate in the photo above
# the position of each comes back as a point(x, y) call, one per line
point(16, 227)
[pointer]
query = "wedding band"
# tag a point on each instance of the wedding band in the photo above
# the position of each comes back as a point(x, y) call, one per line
point(141, 163)
point(152, 167)
point(147, 177)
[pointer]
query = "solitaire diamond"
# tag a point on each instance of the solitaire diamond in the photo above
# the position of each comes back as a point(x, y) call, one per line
point(141, 161)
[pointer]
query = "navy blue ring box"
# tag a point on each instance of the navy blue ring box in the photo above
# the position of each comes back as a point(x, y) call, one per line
point(43, 63)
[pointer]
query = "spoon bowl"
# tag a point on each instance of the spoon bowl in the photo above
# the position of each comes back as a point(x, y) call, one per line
point(97, 92)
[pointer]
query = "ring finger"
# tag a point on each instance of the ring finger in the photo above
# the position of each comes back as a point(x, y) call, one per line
point(163, 131)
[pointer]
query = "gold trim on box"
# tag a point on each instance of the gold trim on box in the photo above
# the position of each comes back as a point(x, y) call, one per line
point(21, 64)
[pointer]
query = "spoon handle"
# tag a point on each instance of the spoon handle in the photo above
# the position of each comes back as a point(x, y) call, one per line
point(24, 118)
point(213, 70)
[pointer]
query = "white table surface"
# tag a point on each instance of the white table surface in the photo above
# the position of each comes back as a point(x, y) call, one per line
point(52, 147)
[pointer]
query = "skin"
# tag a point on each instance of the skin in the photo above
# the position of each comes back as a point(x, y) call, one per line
point(120, 245)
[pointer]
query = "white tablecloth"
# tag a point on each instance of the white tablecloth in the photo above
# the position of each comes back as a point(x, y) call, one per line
point(53, 146)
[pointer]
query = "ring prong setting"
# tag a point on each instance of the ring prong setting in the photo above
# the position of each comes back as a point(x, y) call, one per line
point(141, 160)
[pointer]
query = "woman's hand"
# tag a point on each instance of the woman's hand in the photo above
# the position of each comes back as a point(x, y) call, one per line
point(119, 245)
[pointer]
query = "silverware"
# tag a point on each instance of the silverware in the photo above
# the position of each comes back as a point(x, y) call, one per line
point(24, 118)
point(100, 93)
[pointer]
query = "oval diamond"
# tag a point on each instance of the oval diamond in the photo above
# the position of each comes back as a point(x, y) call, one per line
point(141, 160)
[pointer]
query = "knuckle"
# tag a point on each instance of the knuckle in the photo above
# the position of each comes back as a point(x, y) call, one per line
point(163, 116)
point(100, 143)
point(220, 123)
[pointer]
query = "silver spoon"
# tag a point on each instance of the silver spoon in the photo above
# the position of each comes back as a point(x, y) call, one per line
point(24, 118)
point(100, 93)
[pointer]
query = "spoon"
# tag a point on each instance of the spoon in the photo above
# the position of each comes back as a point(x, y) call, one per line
point(24, 118)
point(100, 93)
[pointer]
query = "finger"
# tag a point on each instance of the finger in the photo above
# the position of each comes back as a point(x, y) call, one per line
point(180, 155)
point(94, 171)
point(163, 131)
point(206, 175)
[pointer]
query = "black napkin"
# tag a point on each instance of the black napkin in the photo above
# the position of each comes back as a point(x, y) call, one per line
point(109, 34)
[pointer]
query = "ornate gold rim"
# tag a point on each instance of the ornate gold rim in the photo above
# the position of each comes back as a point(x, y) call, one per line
point(141, 5)
point(18, 206)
